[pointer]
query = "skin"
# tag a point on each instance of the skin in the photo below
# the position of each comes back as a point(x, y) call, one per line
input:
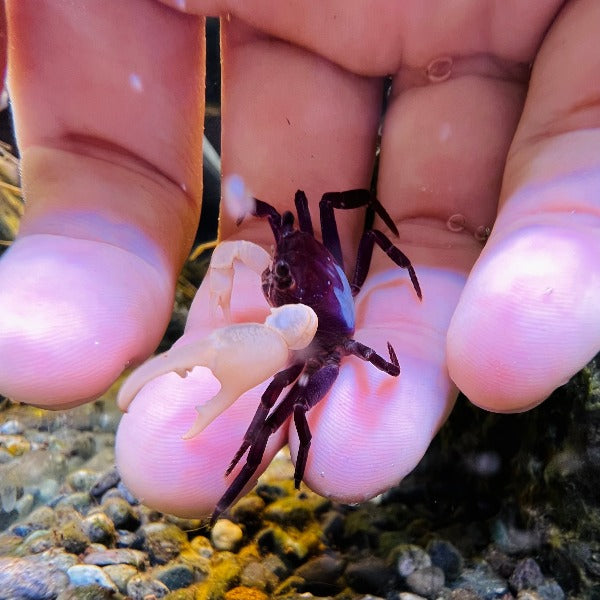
point(112, 177)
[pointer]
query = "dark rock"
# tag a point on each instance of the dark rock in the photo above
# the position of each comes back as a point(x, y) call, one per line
point(321, 574)
point(447, 557)
point(370, 575)
point(526, 576)
point(107, 480)
point(427, 581)
point(481, 580)
point(175, 575)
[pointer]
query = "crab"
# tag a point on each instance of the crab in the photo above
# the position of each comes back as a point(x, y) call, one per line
point(312, 339)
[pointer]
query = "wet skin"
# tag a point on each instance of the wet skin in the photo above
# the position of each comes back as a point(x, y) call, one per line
point(111, 172)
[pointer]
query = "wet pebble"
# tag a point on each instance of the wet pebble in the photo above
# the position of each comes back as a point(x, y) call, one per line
point(447, 557)
point(409, 558)
point(24, 579)
point(482, 580)
point(370, 575)
point(120, 574)
point(121, 513)
point(527, 575)
point(427, 581)
point(115, 556)
point(141, 587)
point(162, 541)
point(81, 479)
point(174, 575)
point(80, 501)
point(99, 528)
point(107, 480)
point(73, 537)
point(83, 575)
point(226, 535)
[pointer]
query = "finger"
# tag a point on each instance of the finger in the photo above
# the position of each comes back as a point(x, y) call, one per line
point(372, 429)
point(528, 319)
point(112, 185)
point(164, 410)
point(293, 120)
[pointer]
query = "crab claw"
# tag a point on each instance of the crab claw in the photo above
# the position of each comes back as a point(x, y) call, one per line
point(240, 356)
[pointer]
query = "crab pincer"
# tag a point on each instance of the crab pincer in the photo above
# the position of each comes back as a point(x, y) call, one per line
point(240, 356)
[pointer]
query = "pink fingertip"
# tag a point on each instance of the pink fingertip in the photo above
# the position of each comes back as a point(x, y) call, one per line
point(528, 318)
point(75, 314)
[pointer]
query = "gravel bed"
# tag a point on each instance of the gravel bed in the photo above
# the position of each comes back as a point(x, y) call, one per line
point(71, 530)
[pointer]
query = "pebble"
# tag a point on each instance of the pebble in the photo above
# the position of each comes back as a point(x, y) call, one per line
point(121, 513)
point(426, 581)
point(82, 575)
point(162, 541)
point(527, 575)
point(370, 575)
point(482, 580)
point(445, 556)
point(226, 535)
point(116, 556)
point(81, 479)
point(142, 587)
point(99, 528)
point(174, 575)
point(120, 574)
point(409, 558)
point(25, 579)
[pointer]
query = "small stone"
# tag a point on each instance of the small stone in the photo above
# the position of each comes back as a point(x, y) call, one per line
point(527, 575)
point(120, 512)
point(370, 575)
point(141, 587)
point(175, 575)
point(482, 580)
point(116, 556)
point(83, 575)
point(226, 535)
point(38, 541)
point(322, 569)
point(551, 590)
point(409, 596)
point(80, 501)
point(248, 510)
point(409, 558)
point(427, 581)
point(107, 480)
point(445, 556)
point(332, 525)
point(99, 528)
point(82, 480)
point(24, 579)
point(291, 546)
point(256, 575)
point(73, 537)
point(289, 512)
point(120, 574)
point(57, 558)
point(163, 541)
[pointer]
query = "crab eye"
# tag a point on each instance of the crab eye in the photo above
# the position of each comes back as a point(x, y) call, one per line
point(282, 275)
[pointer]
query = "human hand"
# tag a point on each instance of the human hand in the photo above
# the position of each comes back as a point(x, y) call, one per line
point(306, 115)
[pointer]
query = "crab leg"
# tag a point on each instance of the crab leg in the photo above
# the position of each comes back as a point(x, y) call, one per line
point(220, 271)
point(240, 356)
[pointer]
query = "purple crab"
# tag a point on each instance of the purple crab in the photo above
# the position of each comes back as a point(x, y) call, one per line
point(310, 328)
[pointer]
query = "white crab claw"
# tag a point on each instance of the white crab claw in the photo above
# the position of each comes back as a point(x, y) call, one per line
point(240, 356)
point(221, 268)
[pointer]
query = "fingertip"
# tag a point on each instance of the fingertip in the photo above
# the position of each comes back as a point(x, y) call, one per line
point(528, 319)
point(73, 314)
point(183, 476)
